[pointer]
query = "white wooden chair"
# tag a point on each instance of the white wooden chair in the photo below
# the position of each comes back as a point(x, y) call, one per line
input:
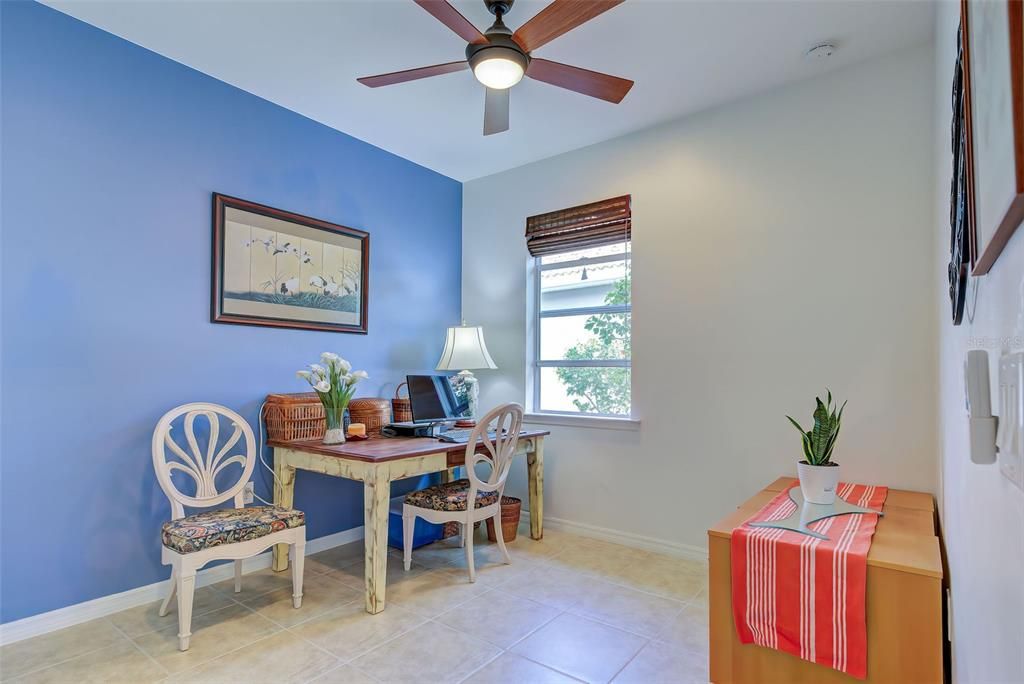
point(470, 500)
point(191, 542)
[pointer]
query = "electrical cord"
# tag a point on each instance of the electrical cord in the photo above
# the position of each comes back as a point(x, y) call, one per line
point(263, 460)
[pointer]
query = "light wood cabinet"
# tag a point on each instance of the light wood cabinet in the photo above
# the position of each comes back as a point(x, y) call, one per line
point(904, 602)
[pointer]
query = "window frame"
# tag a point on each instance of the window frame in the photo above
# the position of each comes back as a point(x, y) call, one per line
point(537, 363)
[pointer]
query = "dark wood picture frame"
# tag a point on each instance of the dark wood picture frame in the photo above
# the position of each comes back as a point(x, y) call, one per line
point(962, 252)
point(984, 253)
point(217, 308)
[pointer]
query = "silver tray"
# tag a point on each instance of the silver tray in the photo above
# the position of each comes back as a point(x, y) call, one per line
point(807, 514)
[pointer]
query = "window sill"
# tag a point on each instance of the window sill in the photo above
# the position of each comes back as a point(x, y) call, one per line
point(570, 420)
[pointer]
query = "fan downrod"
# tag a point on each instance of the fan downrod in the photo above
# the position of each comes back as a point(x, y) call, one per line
point(496, 6)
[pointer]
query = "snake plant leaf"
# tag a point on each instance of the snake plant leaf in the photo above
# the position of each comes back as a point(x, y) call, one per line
point(821, 430)
point(796, 425)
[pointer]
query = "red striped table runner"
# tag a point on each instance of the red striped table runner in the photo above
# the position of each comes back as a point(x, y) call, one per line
point(802, 595)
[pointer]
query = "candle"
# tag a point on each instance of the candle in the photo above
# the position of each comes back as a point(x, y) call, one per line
point(357, 429)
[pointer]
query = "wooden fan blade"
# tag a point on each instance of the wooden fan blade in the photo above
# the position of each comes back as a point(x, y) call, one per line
point(495, 111)
point(412, 74)
point(592, 83)
point(450, 17)
point(561, 16)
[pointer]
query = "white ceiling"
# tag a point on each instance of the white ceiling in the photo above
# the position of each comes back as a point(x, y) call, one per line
point(684, 56)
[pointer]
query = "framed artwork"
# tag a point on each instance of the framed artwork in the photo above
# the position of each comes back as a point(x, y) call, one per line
point(961, 203)
point(993, 73)
point(279, 269)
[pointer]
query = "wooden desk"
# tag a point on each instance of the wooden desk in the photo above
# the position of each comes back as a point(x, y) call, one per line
point(904, 601)
point(378, 462)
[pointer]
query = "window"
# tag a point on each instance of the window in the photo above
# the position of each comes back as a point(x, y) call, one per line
point(581, 315)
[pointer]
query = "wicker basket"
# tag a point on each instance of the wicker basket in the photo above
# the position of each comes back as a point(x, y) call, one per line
point(510, 510)
point(294, 417)
point(402, 408)
point(374, 413)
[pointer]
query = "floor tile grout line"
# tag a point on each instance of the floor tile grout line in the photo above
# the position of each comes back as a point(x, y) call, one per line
point(595, 618)
point(550, 667)
point(400, 633)
point(131, 638)
point(631, 659)
point(647, 641)
point(535, 630)
point(225, 653)
point(139, 648)
point(65, 660)
point(320, 615)
point(605, 578)
point(608, 624)
point(501, 652)
point(221, 655)
point(338, 666)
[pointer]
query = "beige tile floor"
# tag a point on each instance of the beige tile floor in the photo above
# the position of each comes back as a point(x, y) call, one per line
point(567, 609)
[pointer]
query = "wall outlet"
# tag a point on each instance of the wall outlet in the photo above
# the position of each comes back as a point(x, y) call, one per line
point(248, 492)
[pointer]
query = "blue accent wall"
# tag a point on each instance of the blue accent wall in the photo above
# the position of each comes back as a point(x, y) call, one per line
point(110, 155)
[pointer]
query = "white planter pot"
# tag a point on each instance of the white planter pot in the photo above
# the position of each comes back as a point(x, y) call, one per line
point(818, 483)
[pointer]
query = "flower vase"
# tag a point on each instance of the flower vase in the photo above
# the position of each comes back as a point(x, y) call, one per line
point(335, 433)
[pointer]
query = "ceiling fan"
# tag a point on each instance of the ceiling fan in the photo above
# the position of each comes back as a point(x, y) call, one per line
point(500, 58)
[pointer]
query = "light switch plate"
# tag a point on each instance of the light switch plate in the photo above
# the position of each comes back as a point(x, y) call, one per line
point(1010, 436)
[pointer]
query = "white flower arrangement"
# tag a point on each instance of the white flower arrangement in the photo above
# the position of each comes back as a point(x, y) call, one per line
point(333, 382)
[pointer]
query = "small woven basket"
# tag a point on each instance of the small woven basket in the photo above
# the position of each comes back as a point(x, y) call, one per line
point(372, 412)
point(402, 407)
point(511, 507)
point(294, 417)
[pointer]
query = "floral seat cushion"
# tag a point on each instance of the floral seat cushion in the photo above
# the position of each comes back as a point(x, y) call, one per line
point(450, 496)
point(227, 526)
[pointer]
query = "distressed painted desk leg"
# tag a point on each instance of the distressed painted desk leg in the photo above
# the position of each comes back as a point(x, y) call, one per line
point(376, 497)
point(535, 473)
point(448, 475)
point(284, 497)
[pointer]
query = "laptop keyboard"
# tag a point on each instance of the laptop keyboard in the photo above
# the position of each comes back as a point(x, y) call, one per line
point(461, 436)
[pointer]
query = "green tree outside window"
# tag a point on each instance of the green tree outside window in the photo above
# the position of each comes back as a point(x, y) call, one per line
point(602, 390)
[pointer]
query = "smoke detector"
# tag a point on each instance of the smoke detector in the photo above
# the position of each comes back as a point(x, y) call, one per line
point(820, 52)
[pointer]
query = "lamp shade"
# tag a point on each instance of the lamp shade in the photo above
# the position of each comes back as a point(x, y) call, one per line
point(464, 349)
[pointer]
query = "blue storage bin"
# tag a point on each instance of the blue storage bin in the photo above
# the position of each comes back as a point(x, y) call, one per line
point(423, 532)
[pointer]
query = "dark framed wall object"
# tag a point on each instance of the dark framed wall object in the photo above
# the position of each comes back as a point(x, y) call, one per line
point(961, 203)
point(276, 268)
point(993, 66)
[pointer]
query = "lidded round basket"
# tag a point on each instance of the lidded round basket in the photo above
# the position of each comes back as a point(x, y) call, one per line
point(373, 412)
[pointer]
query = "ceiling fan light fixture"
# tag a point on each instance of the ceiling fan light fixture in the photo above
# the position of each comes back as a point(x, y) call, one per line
point(498, 67)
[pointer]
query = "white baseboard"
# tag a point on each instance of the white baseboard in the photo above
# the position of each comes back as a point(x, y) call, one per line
point(637, 541)
point(115, 603)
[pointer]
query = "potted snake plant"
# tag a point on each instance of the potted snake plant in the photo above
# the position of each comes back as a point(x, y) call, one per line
point(819, 474)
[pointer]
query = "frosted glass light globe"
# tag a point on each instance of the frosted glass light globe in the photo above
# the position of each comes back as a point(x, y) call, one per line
point(498, 72)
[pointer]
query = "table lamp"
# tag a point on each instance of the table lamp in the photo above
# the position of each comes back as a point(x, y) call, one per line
point(465, 351)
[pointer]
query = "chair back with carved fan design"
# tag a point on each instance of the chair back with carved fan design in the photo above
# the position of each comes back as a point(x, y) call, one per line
point(202, 466)
point(506, 421)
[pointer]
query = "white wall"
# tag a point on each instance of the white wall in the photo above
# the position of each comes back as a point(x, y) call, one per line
point(982, 513)
point(781, 244)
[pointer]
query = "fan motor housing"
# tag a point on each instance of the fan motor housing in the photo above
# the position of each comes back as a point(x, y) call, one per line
point(498, 44)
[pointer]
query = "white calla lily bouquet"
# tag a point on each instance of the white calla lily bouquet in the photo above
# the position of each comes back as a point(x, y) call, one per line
point(334, 381)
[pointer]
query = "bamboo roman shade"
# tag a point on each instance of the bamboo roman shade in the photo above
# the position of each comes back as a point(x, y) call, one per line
point(588, 225)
